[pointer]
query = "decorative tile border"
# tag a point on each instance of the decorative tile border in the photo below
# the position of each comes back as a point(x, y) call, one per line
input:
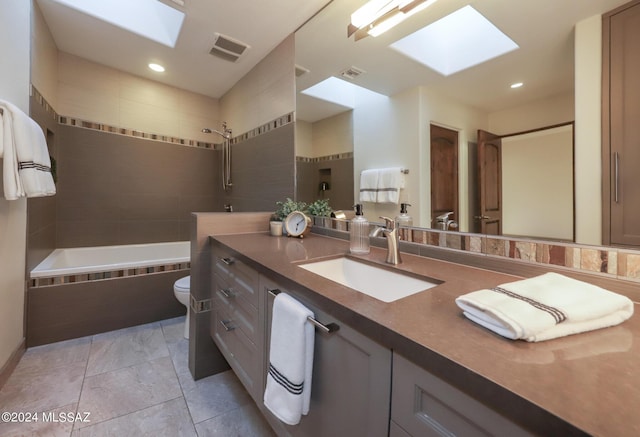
point(110, 274)
point(345, 155)
point(200, 306)
point(611, 262)
point(85, 124)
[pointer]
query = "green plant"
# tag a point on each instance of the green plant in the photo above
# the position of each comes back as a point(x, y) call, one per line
point(283, 209)
point(320, 208)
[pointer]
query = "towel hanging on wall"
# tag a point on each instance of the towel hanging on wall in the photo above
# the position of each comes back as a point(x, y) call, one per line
point(23, 147)
point(288, 391)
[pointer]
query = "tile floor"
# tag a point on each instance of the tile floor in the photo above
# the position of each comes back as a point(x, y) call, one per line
point(132, 382)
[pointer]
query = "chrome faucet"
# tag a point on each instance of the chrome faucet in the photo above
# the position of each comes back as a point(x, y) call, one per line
point(443, 222)
point(389, 230)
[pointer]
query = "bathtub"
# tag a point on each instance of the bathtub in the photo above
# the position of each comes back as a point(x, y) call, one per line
point(84, 291)
point(83, 260)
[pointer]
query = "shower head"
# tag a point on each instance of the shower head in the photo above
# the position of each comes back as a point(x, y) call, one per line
point(226, 134)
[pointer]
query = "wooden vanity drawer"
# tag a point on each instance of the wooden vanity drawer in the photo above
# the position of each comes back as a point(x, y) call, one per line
point(239, 276)
point(236, 306)
point(425, 405)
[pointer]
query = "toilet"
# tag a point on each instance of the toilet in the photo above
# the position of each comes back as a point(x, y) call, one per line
point(181, 290)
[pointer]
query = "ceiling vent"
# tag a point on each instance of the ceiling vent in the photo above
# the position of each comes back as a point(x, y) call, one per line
point(351, 73)
point(228, 48)
point(300, 70)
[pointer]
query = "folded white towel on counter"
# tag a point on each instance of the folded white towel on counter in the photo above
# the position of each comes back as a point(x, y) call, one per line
point(288, 391)
point(369, 186)
point(390, 182)
point(545, 307)
point(26, 163)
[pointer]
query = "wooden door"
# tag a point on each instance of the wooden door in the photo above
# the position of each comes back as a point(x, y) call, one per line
point(444, 172)
point(489, 183)
point(624, 130)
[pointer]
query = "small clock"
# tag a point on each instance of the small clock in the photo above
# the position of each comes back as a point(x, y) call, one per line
point(297, 224)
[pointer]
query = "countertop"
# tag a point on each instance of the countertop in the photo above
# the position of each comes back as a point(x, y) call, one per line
point(587, 383)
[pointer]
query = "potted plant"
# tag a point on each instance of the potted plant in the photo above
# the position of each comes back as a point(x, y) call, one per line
point(320, 209)
point(283, 209)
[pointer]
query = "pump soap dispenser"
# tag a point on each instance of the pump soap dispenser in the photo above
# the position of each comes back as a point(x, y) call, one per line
point(404, 220)
point(359, 235)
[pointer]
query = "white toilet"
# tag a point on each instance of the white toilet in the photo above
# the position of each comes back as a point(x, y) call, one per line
point(181, 290)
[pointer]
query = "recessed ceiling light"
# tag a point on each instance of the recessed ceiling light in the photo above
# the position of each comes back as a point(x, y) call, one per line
point(456, 42)
point(156, 67)
point(148, 18)
point(516, 85)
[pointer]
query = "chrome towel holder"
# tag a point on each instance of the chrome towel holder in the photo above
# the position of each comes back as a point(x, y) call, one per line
point(327, 329)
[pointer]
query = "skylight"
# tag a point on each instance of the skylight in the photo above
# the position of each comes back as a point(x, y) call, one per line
point(148, 18)
point(456, 42)
point(338, 91)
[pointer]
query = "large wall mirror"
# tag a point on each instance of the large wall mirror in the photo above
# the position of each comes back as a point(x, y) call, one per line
point(548, 188)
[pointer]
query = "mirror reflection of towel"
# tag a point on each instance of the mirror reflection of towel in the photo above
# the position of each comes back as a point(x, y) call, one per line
point(369, 186)
point(390, 182)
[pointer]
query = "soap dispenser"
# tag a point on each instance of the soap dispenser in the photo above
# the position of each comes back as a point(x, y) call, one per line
point(404, 220)
point(359, 233)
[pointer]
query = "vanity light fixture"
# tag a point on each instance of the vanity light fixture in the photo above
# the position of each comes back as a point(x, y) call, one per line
point(378, 16)
point(516, 85)
point(156, 67)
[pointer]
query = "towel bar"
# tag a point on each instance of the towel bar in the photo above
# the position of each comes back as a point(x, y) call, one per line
point(327, 329)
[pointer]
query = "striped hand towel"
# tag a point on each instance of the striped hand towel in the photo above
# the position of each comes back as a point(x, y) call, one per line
point(288, 391)
point(545, 307)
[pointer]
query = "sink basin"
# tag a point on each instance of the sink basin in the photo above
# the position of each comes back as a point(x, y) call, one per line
point(378, 282)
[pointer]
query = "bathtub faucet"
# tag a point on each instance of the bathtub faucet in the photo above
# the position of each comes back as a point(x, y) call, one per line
point(389, 230)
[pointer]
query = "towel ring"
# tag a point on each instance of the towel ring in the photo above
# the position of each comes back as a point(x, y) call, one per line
point(327, 329)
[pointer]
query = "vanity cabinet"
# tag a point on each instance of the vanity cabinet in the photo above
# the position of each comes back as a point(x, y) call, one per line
point(423, 405)
point(351, 384)
point(237, 318)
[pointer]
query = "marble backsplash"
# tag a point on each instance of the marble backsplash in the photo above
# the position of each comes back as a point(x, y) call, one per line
point(612, 262)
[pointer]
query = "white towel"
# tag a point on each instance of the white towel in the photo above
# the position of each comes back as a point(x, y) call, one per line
point(545, 307)
point(390, 182)
point(369, 186)
point(288, 391)
point(26, 163)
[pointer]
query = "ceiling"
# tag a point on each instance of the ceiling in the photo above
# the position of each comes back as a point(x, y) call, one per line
point(260, 24)
point(544, 62)
point(542, 28)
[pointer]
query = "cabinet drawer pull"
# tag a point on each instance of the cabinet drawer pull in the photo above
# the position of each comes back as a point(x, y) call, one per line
point(227, 261)
point(227, 325)
point(326, 329)
point(227, 292)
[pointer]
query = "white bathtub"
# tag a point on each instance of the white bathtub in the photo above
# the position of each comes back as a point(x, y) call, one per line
point(72, 261)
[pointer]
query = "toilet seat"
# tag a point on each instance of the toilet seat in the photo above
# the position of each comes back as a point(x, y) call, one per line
point(183, 285)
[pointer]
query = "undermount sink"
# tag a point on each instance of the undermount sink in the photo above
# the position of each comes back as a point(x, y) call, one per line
point(378, 282)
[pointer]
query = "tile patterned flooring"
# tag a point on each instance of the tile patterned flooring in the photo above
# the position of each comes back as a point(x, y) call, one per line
point(133, 382)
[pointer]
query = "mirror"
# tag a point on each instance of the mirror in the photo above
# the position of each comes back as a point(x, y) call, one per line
point(391, 129)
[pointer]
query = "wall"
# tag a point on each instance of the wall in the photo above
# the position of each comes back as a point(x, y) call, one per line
point(533, 115)
point(386, 133)
point(116, 189)
point(14, 86)
point(588, 135)
point(96, 93)
point(260, 110)
point(537, 184)
point(324, 153)
point(265, 93)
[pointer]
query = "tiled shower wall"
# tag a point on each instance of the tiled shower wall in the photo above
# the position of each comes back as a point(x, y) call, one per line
point(118, 187)
point(337, 170)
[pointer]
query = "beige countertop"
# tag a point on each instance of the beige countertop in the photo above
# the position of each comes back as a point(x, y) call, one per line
point(590, 380)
